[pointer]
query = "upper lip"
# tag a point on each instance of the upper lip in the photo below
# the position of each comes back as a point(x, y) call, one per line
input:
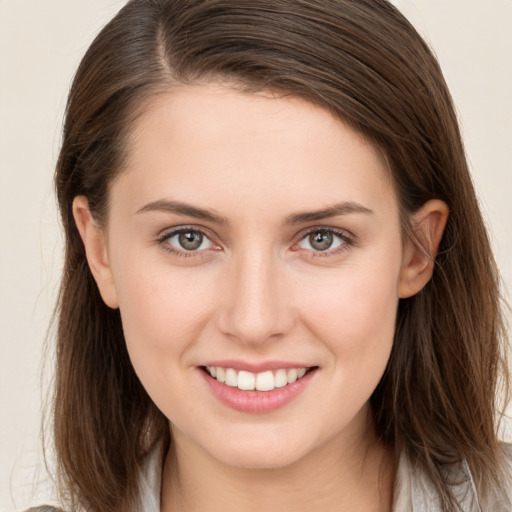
point(256, 367)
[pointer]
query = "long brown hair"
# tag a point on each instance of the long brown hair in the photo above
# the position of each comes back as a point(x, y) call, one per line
point(364, 62)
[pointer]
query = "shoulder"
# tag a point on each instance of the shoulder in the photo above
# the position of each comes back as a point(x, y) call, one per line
point(507, 453)
point(501, 500)
point(415, 491)
point(149, 481)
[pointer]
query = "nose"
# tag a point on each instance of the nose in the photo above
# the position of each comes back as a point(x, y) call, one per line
point(256, 305)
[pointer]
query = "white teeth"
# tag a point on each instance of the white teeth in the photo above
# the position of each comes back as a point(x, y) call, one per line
point(231, 378)
point(292, 375)
point(280, 378)
point(246, 380)
point(221, 374)
point(263, 381)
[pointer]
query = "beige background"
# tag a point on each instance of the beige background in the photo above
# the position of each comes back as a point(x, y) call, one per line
point(41, 43)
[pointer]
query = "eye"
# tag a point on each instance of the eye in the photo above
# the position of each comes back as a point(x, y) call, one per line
point(324, 240)
point(186, 240)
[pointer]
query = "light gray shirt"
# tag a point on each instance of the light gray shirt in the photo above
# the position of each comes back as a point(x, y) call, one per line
point(415, 492)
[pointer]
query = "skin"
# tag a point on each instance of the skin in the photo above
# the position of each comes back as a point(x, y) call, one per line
point(257, 290)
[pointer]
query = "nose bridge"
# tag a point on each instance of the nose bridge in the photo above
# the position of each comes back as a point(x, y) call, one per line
point(255, 307)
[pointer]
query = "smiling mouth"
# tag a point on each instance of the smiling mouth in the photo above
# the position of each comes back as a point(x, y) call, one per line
point(262, 381)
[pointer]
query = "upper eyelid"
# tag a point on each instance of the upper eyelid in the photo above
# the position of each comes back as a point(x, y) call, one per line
point(169, 232)
point(343, 233)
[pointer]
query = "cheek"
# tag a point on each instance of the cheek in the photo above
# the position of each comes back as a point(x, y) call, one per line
point(163, 310)
point(156, 297)
point(163, 314)
point(354, 313)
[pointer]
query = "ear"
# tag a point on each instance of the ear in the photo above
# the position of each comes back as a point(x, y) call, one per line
point(94, 240)
point(428, 225)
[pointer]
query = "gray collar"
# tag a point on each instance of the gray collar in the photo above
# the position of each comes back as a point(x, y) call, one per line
point(415, 491)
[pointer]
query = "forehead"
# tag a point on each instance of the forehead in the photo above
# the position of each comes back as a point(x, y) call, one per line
point(218, 142)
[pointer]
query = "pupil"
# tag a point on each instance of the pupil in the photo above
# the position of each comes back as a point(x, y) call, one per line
point(321, 240)
point(191, 240)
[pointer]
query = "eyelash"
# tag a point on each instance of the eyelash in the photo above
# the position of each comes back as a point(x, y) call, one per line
point(163, 241)
point(346, 238)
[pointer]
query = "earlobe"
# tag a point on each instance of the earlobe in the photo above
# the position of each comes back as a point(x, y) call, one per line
point(428, 225)
point(93, 238)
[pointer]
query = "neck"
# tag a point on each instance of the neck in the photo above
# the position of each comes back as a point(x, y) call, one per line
point(335, 477)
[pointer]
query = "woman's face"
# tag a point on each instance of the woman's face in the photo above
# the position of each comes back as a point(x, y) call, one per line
point(256, 235)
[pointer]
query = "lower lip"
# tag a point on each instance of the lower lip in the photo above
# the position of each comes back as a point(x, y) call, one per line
point(257, 402)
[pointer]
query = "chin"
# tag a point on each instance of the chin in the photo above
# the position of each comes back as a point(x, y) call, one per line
point(263, 451)
point(258, 459)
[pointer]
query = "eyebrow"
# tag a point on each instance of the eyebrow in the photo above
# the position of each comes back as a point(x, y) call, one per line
point(164, 205)
point(180, 208)
point(343, 208)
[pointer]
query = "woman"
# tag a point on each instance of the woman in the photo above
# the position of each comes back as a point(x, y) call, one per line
point(274, 257)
